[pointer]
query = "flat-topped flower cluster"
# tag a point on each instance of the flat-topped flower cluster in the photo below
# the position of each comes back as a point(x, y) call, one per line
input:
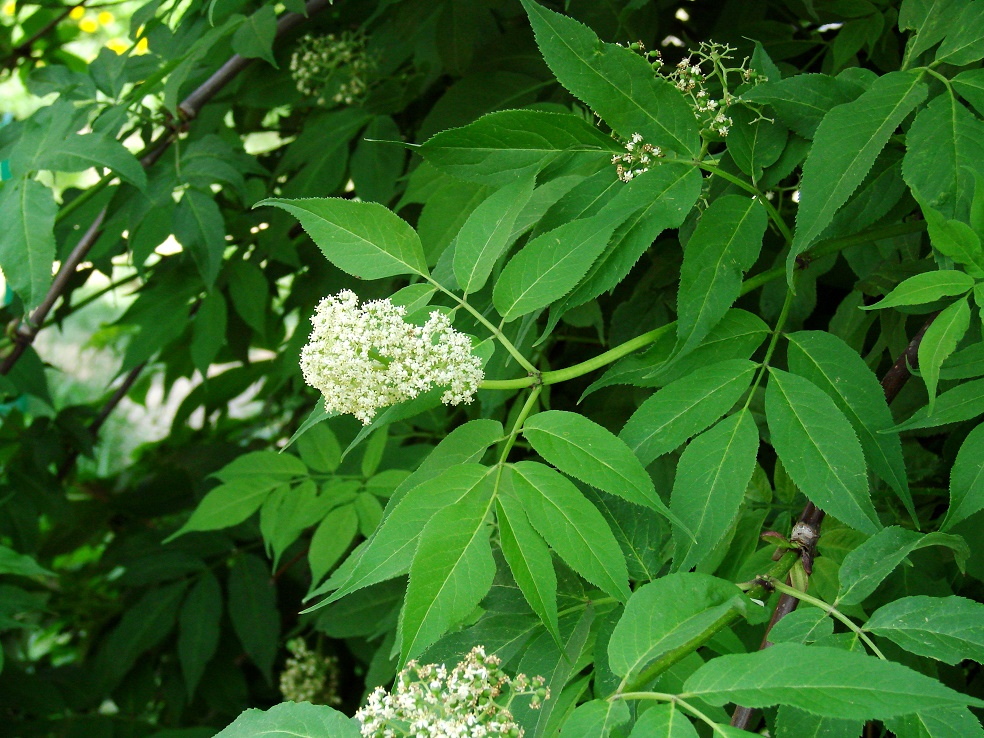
point(470, 701)
point(366, 358)
point(309, 676)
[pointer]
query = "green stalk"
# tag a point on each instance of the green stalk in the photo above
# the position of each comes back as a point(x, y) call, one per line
point(739, 182)
point(780, 586)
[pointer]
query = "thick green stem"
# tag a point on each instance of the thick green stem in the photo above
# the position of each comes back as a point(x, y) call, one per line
point(524, 413)
point(778, 571)
point(774, 216)
point(830, 610)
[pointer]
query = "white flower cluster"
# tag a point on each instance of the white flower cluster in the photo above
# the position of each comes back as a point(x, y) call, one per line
point(636, 159)
point(365, 358)
point(470, 701)
point(691, 79)
point(332, 67)
point(310, 677)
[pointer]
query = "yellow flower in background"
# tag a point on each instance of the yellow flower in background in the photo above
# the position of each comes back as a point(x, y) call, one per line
point(88, 25)
point(118, 46)
point(142, 47)
point(77, 13)
point(10, 8)
point(105, 18)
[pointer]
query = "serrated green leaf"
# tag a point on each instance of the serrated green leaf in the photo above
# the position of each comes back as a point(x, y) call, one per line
point(500, 148)
point(930, 19)
point(846, 144)
point(755, 143)
point(300, 720)
point(967, 480)
point(595, 719)
point(686, 407)
point(208, 333)
point(254, 38)
point(529, 561)
point(228, 504)
point(840, 684)
point(668, 613)
point(571, 525)
point(319, 449)
point(954, 238)
point(452, 570)
point(943, 150)
point(951, 722)
point(948, 629)
point(926, 287)
point(663, 721)
point(964, 44)
point(27, 243)
point(391, 549)
point(709, 486)
point(725, 244)
point(970, 86)
point(253, 611)
point(805, 625)
point(588, 452)
point(487, 233)
point(617, 83)
point(549, 266)
point(364, 239)
point(838, 370)
point(198, 629)
point(819, 449)
point(791, 722)
point(200, 228)
point(939, 341)
point(866, 567)
point(264, 464)
point(963, 402)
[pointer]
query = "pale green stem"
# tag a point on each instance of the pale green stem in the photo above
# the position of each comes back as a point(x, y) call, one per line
point(506, 343)
point(739, 182)
point(675, 699)
point(783, 315)
point(518, 425)
point(830, 610)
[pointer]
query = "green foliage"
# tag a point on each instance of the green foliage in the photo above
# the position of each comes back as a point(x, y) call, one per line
point(727, 305)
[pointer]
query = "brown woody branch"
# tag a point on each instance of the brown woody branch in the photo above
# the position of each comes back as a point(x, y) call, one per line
point(812, 516)
point(25, 333)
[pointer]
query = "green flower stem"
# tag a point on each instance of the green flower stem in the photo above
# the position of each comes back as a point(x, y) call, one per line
point(779, 570)
point(780, 586)
point(824, 248)
point(739, 182)
point(506, 343)
point(518, 425)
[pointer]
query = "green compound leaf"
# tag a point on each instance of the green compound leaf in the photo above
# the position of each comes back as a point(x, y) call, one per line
point(500, 148)
point(293, 720)
point(254, 38)
point(964, 44)
point(819, 449)
point(229, 504)
point(970, 86)
point(27, 241)
point(198, 629)
point(709, 486)
point(200, 228)
point(571, 525)
point(487, 233)
point(668, 613)
point(846, 144)
point(686, 407)
point(550, 266)
point(948, 629)
point(529, 561)
point(930, 19)
point(866, 567)
point(840, 684)
point(949, 722)
point(588, 452)
point(364, 239)
point(963, 402)
point(725, 244)
point(967, 480)
point(924, 288)
point(617, 83)
point(939, 341)
point(331, 539)
point(955, 239)
point(839, 370)
point(452, 570)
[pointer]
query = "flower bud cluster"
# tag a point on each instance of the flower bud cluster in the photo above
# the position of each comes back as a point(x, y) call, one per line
point(637, 158)
point(309, 676)
point(706, 79)
point(335, 68)
point(366, 358)
point(470, 701)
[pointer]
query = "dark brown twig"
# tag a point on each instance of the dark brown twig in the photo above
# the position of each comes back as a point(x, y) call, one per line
point(812, 516)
